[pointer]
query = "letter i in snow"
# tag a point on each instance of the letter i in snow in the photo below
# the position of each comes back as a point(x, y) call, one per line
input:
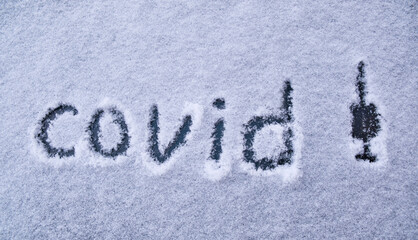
point(218, 132)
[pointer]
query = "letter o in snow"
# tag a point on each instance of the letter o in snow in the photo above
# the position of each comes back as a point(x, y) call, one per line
point(94, 133)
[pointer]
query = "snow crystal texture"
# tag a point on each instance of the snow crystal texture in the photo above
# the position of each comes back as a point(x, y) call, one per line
point(180, 56)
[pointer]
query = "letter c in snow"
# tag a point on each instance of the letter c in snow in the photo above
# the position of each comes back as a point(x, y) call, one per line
point(42, 134)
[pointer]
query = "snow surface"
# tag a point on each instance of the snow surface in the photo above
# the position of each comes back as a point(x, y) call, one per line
point(181, 55)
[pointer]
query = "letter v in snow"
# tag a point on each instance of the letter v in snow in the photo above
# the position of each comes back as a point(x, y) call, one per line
point(178, 140)
point(159, 158)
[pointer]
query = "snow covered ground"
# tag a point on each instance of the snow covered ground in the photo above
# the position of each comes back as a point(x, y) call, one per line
point(124, 58)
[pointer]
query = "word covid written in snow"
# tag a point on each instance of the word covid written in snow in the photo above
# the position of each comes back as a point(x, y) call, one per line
point(155, 149)
point(365, 126)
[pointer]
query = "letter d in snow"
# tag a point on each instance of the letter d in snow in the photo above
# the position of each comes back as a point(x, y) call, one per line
point(285, 160)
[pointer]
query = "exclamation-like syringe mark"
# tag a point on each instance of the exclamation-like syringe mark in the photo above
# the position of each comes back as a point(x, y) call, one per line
point(366, 123)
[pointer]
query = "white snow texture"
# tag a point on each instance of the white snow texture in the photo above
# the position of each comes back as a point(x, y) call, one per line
point(180, 56)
